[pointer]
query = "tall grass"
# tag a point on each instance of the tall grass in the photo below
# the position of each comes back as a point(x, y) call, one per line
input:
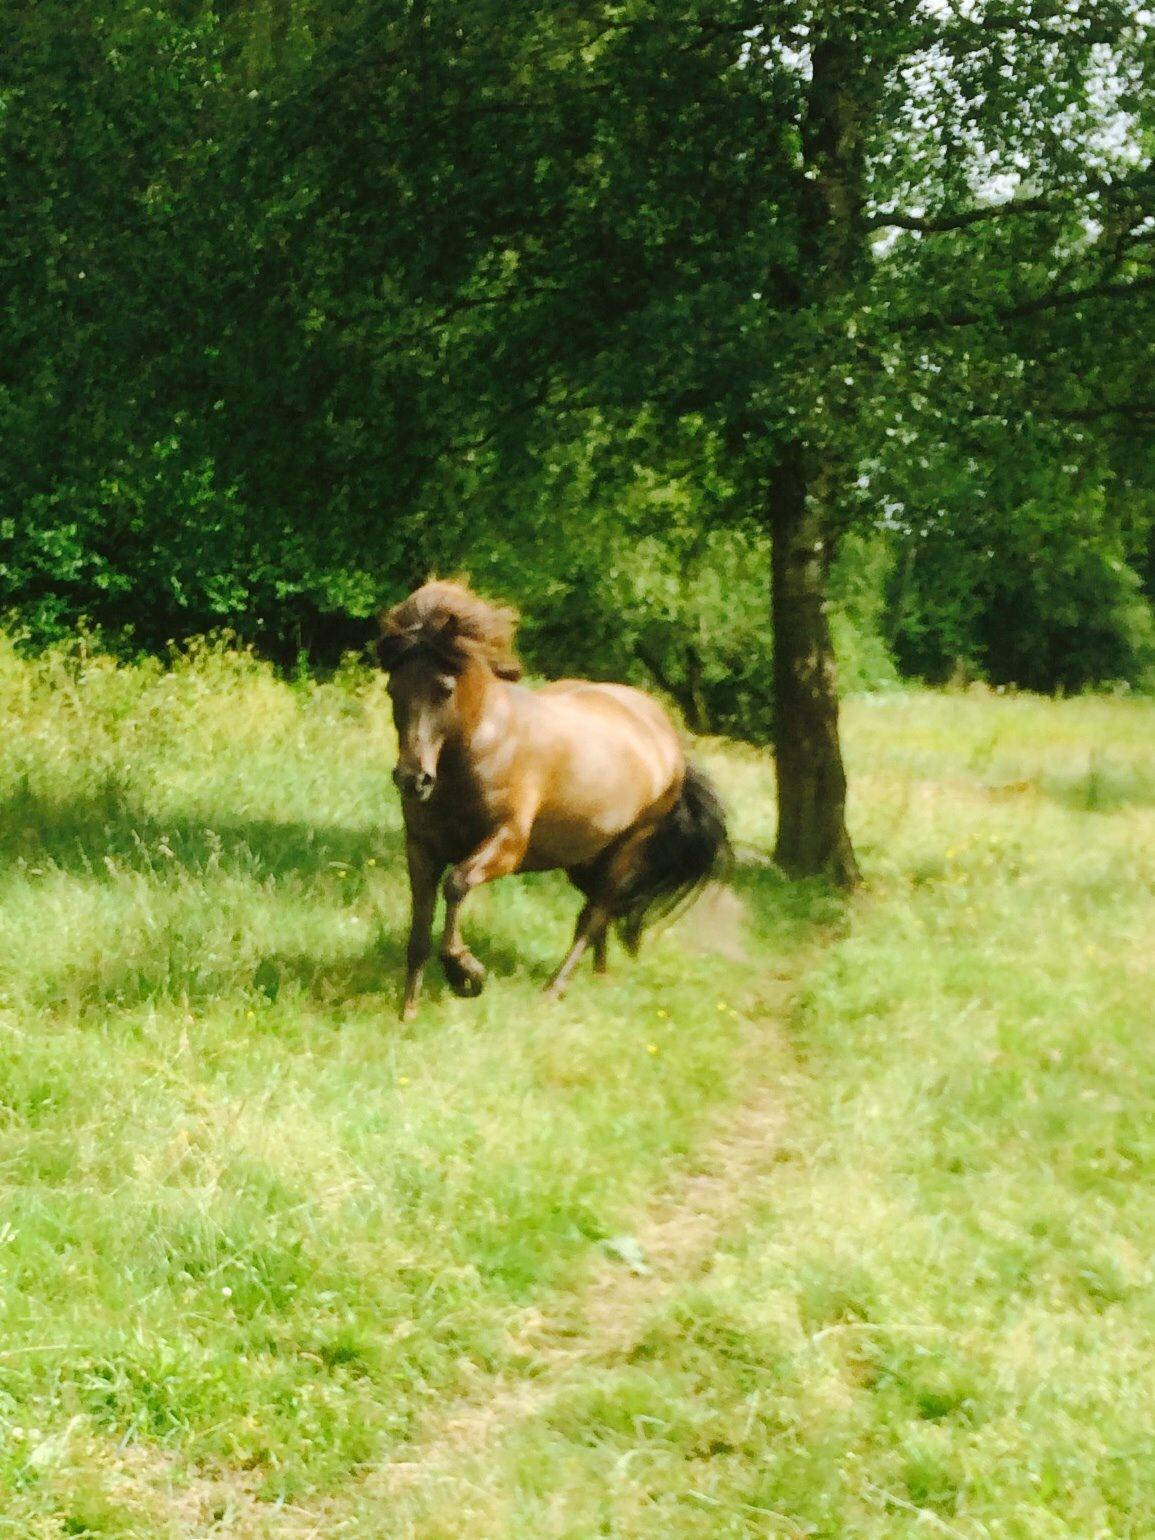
point(261, 1248)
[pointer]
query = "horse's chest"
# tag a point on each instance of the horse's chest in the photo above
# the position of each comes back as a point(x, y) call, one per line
point(454, 822)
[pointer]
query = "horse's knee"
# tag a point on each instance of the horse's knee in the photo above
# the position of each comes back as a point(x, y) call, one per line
point(456, 885)
point(418, 950)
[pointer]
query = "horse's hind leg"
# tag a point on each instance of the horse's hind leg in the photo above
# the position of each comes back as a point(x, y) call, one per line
point(591, 930)
point(601, 883)
point(585, 880)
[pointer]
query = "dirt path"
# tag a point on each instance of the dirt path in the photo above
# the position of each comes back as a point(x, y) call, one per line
point(676, 1241)
point(676, 1235)
point(673, 1238)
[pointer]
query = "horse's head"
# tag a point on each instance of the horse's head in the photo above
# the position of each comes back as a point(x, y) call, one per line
point(425, 713)
point(429, 644)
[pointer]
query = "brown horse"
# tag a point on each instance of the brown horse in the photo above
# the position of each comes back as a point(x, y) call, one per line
point(496, 778)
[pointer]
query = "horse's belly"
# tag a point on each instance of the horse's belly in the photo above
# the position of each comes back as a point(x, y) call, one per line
point(565, 840)
point(560, 848)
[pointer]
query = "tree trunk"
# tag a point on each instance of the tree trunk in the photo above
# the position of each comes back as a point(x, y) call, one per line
point(809, 474)
point(687, 697)
point(812, 835)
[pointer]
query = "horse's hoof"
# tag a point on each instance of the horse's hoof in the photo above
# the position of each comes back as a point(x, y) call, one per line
point(464, 975)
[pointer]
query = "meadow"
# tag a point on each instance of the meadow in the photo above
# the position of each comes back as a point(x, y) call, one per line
point(825, 1218)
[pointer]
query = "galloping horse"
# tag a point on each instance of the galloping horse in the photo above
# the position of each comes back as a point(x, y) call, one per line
point(497, 778)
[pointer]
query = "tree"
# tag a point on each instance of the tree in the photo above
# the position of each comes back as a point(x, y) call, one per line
point(358, 275)
point(839, 232)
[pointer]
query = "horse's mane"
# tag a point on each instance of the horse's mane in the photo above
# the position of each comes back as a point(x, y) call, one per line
point(449, 620)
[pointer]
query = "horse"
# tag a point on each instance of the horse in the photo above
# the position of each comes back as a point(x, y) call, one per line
point(497, 778)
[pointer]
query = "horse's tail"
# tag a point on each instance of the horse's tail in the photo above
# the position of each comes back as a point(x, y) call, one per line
point(687, 848)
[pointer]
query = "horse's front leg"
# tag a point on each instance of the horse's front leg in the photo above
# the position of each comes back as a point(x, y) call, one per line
point(500, 855)
point(424, 873)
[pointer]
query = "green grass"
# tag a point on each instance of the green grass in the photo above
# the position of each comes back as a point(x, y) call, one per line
point(273, 1265)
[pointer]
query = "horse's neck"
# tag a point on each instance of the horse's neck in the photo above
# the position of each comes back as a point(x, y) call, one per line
point(482, 707)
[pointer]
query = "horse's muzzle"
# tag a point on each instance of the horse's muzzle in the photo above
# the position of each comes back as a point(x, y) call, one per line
point(414, 783)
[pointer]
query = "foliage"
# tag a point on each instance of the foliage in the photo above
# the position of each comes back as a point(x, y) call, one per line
point(1046, 609)
point(1039, 583)
point(665, 585)
point(303, 299)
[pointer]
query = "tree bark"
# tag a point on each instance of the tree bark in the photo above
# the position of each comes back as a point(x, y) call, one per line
point(810, 473)
point(812, 834)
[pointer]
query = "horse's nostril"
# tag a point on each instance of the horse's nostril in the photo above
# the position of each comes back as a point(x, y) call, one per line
point(418, 783)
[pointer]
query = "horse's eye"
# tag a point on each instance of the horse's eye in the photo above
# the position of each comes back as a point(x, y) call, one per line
point(443, 686)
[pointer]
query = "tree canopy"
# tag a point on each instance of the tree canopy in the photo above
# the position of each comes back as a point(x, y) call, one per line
point(302, 299)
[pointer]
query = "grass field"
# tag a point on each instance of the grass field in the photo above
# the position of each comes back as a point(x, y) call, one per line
point(822, 1219)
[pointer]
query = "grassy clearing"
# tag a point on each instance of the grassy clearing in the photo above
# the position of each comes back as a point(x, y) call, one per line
point(271, 1265)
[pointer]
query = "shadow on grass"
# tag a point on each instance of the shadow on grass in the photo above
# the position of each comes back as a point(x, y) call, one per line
point(84, 834)
point(376, 970)
point(176, 973)
point(782, 911)
point(105, 832)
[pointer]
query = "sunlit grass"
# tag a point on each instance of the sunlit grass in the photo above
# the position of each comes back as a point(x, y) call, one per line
point(250, 1226)
point(939, 1316)
point(255, 1236)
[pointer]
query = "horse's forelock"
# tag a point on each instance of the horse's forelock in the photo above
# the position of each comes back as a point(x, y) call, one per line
point(453, 623)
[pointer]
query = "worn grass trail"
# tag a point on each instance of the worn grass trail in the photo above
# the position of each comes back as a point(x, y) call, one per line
point(844, 1237)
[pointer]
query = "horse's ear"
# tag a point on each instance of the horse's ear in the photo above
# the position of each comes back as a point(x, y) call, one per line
point(392, 643)
point(389, 652)
point(445, 637)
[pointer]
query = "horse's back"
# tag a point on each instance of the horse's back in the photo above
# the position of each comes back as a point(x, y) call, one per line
point(619, 710)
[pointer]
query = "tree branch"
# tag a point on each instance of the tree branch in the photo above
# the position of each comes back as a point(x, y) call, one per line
point(462, 448)
point(1130, 411)
point(1038, 306)
point(971, 34)
point(464, 304)
point(1118, 194)
point(1035, 30)
point(934, 223)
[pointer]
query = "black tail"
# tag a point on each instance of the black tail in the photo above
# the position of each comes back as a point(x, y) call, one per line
point(686, 849)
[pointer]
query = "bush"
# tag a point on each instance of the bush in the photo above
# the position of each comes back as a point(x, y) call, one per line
point(1054, 604)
